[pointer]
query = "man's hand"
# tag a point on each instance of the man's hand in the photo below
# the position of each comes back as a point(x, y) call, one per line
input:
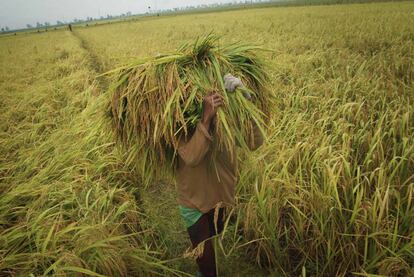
point(210, 104)
point(231, 83)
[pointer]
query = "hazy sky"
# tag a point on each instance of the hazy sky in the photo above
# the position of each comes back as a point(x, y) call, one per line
point(18, 13)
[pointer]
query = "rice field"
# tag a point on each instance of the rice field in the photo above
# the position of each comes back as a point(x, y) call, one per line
point(330, 193)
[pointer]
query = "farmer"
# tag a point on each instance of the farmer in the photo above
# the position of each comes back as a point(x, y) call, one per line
point(204, 189)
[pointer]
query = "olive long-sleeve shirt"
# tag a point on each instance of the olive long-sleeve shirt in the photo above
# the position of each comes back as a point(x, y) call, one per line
point(200, 185)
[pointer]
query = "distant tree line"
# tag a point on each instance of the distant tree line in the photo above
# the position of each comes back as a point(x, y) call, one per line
point(46, 24)
point(230, 5)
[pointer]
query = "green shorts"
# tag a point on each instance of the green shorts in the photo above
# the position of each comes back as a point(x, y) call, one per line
point(190, 215)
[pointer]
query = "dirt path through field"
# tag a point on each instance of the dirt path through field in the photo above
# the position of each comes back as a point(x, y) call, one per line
point(94, 62)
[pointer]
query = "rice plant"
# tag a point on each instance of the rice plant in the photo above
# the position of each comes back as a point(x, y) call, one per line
point(329, 194)
point(68, 206)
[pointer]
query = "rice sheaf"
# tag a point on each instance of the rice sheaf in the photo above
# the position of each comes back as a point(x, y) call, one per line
point(156, 101)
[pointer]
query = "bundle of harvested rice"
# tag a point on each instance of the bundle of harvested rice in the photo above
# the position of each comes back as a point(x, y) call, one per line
point(158, 100)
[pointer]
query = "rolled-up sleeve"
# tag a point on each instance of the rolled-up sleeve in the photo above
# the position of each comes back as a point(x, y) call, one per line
point(195, 149)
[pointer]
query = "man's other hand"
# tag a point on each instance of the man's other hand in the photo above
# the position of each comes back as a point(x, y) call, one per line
point(231, 83)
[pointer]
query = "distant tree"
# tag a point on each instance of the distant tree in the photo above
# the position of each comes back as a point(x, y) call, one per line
point(38, 24)
point(47, 24)
point(2, 29)
point(28, 26)
point(59, 22)
point(7, 28)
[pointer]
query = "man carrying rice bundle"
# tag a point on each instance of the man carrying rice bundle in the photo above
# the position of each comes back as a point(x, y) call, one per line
point(201, 192)
point(165, 112)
